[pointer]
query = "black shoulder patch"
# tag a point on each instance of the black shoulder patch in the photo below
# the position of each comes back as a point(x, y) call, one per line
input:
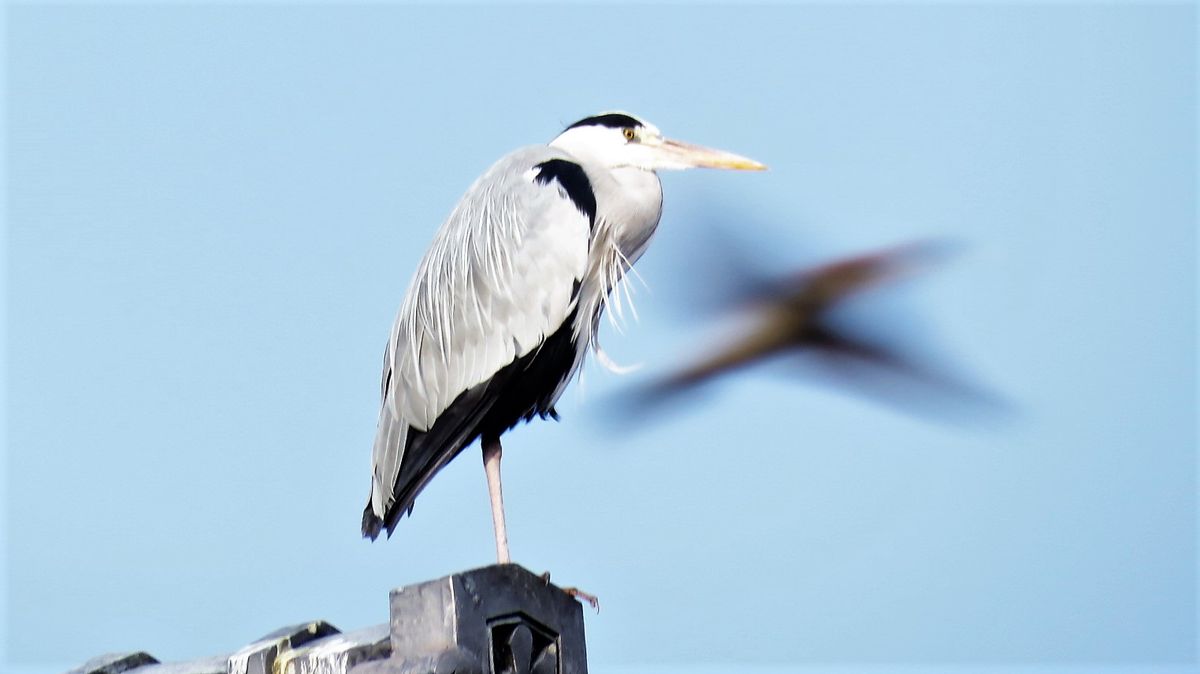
point(574, 182)
point(613, 120)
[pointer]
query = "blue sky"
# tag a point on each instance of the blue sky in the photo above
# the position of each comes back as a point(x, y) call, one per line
point(213, 212)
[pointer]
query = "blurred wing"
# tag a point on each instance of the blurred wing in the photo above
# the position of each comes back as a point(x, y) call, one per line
point(881, 371)
point(832, 282)
point(500, 276)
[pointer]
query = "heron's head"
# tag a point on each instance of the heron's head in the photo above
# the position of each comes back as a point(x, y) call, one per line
point(619, 140)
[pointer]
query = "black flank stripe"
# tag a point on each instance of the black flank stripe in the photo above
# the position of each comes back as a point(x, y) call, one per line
point(517, 392)
point(574, 182)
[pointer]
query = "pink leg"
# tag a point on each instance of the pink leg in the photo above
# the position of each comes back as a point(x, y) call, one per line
point(491, 466)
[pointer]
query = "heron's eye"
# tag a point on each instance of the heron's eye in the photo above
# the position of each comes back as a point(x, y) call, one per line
point(630, 134)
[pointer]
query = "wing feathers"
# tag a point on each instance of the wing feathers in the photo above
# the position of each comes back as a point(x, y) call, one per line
point(500, 277)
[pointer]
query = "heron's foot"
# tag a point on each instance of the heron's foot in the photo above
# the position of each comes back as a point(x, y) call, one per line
point(591, 599)
point(578, 594)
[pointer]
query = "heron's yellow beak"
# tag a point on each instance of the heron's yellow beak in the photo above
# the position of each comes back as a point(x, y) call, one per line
point(687, 154)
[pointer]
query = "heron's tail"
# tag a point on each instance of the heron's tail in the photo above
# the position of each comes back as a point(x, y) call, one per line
point(406, 459)
point(372, 524)
point(387, 453)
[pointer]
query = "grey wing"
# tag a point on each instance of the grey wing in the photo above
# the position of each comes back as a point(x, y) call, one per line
point(498, 278)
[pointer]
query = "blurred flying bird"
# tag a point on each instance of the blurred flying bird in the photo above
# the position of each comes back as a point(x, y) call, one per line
point(507, 300)
point(795, 315)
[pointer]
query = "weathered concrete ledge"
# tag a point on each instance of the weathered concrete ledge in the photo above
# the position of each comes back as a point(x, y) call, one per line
point(498, 619)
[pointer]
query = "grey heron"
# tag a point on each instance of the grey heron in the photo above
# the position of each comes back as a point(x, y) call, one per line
point(507, 300)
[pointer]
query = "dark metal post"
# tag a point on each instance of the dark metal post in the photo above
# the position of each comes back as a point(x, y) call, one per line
point(499, 619)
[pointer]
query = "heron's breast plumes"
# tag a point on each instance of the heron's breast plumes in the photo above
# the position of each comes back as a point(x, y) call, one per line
point(629, 205)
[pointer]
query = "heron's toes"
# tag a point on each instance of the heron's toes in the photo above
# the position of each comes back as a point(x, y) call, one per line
point(591, 599)
point(579, 595)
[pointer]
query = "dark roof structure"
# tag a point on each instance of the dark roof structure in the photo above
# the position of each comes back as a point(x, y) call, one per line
point(499, 619)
